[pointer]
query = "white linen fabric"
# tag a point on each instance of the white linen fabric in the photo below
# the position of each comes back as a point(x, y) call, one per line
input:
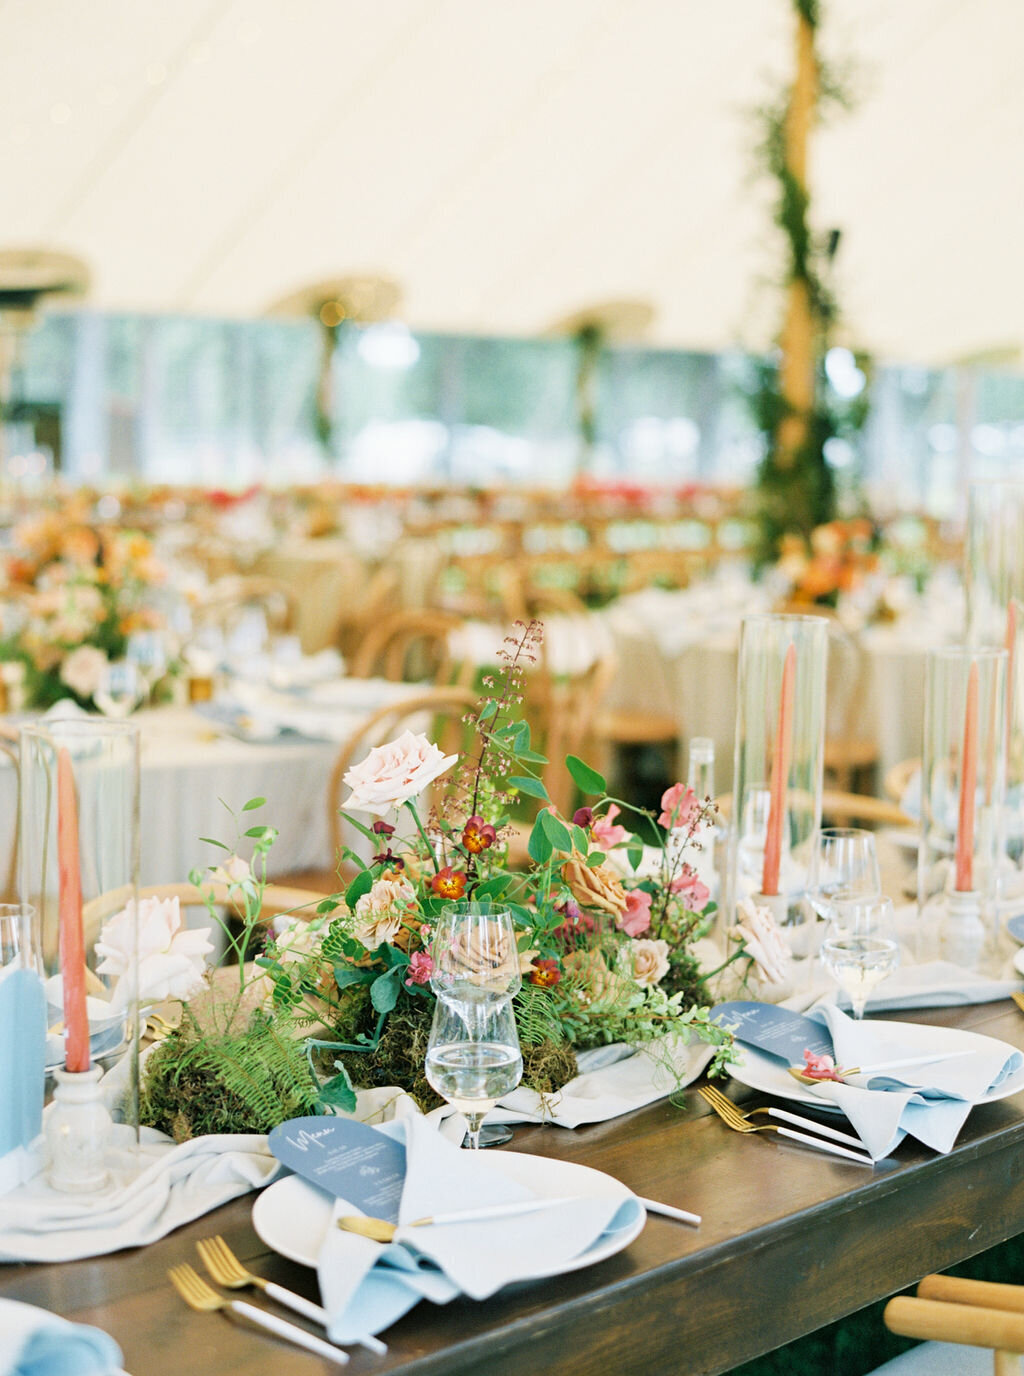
point(148, 1196)
point(933, 984)
point(34, 1342)
point(612, 1080)
point(929, 1102)
point(366, 1285)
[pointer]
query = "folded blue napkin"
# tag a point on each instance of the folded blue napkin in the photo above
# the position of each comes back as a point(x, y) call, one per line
point(366, 1286)
point(929, 1102)
point(34, 1342)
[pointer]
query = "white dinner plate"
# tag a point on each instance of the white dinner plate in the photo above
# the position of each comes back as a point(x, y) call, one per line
point(292, 1216)
point(758, 1070)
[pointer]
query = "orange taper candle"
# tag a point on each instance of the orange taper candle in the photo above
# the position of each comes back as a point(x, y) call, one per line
point(780, 769)
point(968, 784)
point(72, 941)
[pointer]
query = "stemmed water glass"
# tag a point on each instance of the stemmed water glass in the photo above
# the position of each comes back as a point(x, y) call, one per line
point(147, 651)
point(843, 868)
point(860, 947)
point(120, 689)
point(473, 1056)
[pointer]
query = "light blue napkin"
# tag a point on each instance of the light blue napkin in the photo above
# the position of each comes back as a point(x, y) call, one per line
point(366, 1286)
point(34, 1342)
point(929, 1102)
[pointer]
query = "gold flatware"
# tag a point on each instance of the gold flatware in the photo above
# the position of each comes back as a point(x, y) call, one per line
point(198, 1295)
point(837, 1075)
point(381, 1231)
point(1018, 1000)
point(740, 1122)
point(227, 1270)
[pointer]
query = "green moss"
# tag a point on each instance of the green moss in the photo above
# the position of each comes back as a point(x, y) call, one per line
point(197, 1082)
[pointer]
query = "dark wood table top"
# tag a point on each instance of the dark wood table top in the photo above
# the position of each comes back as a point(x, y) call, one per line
point(791, 1240)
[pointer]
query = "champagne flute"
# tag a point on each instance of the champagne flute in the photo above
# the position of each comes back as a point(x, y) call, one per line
point(844, 867)
point(473, 1057)
point(860, 947)
point(120, 689)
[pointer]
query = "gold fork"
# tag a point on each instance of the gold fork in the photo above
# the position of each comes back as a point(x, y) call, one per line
point(739, 1122)
point(1018, 1000)
point(227, 1270)
point(198, 1295)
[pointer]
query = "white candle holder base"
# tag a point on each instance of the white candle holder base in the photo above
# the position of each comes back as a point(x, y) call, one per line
point(963, 936)
point(78, 1131)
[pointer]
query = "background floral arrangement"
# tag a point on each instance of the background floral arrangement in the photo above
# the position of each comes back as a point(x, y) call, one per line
point(72, 596)
point(836, 559)
point(606, 916)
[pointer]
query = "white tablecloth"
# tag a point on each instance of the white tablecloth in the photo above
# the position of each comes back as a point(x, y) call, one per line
point(188, 765)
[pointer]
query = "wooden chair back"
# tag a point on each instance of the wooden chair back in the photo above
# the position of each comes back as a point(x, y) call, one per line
point(971, 1313)
point(408, 646)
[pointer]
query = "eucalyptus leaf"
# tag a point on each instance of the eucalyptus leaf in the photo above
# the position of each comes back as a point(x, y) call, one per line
point(557, 831)
point(539, 847)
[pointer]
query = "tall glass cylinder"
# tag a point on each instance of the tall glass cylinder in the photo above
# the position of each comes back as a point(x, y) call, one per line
point(771, 734)
point(79, 816)
point(963, 816)
point(994, 558)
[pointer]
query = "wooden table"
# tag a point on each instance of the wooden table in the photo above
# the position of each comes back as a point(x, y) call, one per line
point(791, 1240)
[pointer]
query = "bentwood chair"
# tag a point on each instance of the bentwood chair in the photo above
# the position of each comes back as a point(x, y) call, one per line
point(410, 646)
point(971, 1327)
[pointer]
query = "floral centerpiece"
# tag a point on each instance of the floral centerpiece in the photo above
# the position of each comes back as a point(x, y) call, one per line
point(607, 911)
point(837, 559)
point(72, 594)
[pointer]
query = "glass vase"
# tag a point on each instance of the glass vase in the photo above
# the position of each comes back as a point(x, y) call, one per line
point(994, 558)
point(765, 644)
point(963, 814)
point(79, 852)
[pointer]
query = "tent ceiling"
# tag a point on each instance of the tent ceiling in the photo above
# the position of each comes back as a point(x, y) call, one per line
point(509, 163)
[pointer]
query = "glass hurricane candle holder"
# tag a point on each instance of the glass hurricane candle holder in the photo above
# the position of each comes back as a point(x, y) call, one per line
point(963, 822)
point(778, 762)
point(994, 558)
point(79, 849)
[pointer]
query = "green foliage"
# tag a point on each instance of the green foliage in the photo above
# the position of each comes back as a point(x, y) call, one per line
point(199, 1081)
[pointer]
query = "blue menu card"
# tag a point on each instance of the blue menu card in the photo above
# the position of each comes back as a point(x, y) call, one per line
point(777, 1031)
point(346, 1159)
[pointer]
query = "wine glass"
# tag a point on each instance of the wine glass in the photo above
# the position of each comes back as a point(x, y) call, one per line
point(860, 947)
point(844, 867)
point(120, 689)
point(474, 955)
point(473, 1057)
point(146, 650)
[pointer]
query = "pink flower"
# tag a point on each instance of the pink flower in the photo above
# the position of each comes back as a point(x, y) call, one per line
point(421, 967)
point(604, 832)
point(820, 1067)
point(392, 774)
point(637, 917)
point(692, 887)
point(679, 807)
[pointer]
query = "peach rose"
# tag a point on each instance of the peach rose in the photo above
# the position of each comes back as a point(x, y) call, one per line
point(648, 961)
point(588, 968)
point(380, 912)
point(82, 670)
point(599, 887)
point(392, 774)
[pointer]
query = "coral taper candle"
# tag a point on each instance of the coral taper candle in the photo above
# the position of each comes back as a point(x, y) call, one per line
point(780, 770)
point(968, 784)
point(72, 941)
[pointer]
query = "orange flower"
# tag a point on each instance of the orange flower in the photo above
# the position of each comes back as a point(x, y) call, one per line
point(449, 883)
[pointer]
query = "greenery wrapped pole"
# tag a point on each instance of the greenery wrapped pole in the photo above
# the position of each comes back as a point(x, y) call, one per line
point(795, 485)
